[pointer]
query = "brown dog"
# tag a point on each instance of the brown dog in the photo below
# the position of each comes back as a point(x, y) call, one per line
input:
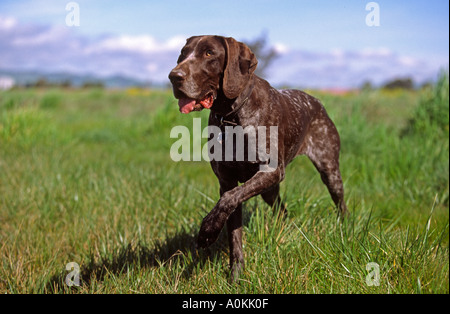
point(216, 73)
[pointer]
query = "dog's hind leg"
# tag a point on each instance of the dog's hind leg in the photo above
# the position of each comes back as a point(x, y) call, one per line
point(322, 147)
point(273, 199)
point(331, 177)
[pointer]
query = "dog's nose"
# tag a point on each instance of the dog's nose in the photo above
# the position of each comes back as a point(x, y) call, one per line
point(177, 75)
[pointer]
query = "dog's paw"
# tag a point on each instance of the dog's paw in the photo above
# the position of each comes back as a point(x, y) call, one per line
point(236, 270)
point(210, 229)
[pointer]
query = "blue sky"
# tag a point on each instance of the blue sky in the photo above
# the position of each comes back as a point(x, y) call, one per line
point(322, 43)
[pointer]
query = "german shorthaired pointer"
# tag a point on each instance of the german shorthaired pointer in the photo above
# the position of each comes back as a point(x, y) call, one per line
point(216, 73)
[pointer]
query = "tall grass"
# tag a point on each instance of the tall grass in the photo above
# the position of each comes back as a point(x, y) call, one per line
point(432, 114)
point(86, 177)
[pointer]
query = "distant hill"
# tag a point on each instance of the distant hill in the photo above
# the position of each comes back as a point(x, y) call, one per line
point(24, 78)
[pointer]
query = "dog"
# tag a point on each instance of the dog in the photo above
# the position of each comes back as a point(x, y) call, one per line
point(217, 73)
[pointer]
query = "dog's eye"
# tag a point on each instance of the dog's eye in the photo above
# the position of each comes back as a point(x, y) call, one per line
point(208, 53)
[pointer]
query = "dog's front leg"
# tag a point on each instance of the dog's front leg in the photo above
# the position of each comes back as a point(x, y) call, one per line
point(214, 222)
point(234, 228)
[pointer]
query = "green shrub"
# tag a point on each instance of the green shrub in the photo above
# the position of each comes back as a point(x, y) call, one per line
point(432, 114)
point(50, 101)
point(25, 127)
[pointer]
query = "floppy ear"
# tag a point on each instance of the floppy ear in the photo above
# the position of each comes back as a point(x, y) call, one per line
point(240, 65)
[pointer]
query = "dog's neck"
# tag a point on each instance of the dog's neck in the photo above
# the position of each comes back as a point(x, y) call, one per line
point(229, 108)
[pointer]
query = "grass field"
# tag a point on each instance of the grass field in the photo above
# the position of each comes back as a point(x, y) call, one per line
point(86, 177)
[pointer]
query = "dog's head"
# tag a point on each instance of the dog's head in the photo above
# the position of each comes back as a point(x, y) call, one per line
point(208, 65)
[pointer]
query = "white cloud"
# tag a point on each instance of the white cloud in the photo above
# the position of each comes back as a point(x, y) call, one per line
point(50, 49)
point(281, 48)
point(378, 52)
point(7, 23)
point(141, 44)
point(47, 36)
point(408, 61)
point(349, 69)
point(152, 67)
point(176, 43)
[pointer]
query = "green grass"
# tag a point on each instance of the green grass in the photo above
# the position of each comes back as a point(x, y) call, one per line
point(86, 177)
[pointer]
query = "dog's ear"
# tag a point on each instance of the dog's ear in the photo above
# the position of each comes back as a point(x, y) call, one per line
point(239, 67)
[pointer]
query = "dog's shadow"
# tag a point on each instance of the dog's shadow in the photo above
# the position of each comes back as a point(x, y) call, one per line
point(178, 248)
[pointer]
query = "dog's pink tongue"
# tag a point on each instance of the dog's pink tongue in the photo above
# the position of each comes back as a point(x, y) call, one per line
point(186, 105)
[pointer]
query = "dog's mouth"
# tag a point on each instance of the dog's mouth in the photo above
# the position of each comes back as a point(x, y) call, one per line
point(188, 105)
